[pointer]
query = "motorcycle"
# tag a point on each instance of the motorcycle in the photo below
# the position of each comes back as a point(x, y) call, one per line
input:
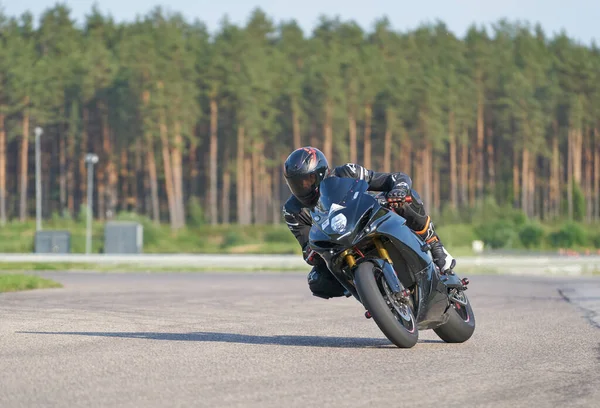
point(388, 268)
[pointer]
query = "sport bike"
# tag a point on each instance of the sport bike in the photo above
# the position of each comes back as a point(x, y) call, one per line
point(388, 268)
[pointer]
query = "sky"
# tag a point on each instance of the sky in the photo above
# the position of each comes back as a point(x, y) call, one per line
point(579, 18)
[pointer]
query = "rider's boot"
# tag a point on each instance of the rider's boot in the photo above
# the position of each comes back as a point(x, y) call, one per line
point(441, 257)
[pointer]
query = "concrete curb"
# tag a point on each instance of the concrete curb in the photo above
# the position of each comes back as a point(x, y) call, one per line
point(513, 264)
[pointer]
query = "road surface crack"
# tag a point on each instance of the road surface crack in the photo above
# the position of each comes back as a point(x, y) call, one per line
point(589, 314)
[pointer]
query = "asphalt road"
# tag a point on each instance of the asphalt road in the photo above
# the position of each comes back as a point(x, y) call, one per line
point(261, 340)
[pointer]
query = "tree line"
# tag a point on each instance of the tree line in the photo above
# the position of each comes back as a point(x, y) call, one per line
point(183, 119)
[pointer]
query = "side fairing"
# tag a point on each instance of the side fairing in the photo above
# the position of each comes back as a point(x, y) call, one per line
point(393, 227)
point(432, 298)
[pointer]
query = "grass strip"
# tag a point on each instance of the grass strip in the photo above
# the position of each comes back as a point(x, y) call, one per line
point(13, 282)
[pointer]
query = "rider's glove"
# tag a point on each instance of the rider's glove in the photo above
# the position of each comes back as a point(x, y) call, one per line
point(398, 194)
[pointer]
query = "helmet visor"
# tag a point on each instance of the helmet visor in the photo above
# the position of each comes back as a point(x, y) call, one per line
point(302, 186)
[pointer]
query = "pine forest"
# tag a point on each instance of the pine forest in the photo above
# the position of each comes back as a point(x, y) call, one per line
point(182, 118)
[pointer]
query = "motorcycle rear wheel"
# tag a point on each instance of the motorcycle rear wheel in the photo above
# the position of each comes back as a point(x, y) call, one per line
point(372, 296)
point(461, 323)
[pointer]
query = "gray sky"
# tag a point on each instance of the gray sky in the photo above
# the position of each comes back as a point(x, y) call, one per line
point(578, 17)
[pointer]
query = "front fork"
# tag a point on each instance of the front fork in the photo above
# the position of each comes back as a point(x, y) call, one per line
point(386, 266)
point(383, 253)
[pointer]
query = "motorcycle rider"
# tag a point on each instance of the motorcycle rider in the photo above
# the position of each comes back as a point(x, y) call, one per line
point(306, 167)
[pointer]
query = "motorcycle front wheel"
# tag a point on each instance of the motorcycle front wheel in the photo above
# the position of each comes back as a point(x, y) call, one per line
point(394, 318)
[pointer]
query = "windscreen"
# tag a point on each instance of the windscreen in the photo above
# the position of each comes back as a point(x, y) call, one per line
point(338, 190)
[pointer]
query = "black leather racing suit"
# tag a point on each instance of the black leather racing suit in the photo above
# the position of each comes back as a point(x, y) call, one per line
point(321, 282)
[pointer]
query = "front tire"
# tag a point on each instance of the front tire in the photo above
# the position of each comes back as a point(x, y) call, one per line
point(373, 299)
point(461, 324)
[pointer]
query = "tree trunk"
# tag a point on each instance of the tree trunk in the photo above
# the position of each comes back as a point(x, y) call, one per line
point(427, 177)
point(261, 180)
point(83, 150)
point(545, 188)
point(570, 174)
point(126, 199)
point(225, 191)
point(406, 152)
point(47, 172)
point(555, 194)
point(71, 169)
point(264, 186)
point(107, 198)
point(452, 143)
point(277, 195)
point(226, 195)
point(241, 179)
point(387, 142)
point(212, 173)
point(178, 176)
point(328, 131)
point(62, 177)
point(113, 185)
point(24, 163)
point(2, 171)
point(153, 179)
point(576, 152)
point(267, 197)
point(248, 188)
point(478, 162)
point(255, 183)
point(168, 169)
point(491, 162)
point(101, 185)
point(532, 210)
point(368, 145)
point(472, 177)
point(151, 163)
point(139, 181)
point(352, 134)
point(296, 124)
point(596, 174)
point(193, 166)
point(515, 174)
point(464, 174)
point(313, 135)
point(418, 177)
point(589, 157)
point(525, 183)
point(436, 189)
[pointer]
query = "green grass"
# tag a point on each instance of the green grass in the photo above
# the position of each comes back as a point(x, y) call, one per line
point(67, 266)
point(16, 237)
point(12, 282)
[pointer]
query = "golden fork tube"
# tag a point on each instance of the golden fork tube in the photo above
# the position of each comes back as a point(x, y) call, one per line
point(349, 259)
point(382, 251)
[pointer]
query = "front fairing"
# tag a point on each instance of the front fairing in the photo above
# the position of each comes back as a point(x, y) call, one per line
point(355, 216)
point(341, 199)
point(340, 208)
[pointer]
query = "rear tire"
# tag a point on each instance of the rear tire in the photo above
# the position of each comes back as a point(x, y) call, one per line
point(372, 298)
point(461, 324)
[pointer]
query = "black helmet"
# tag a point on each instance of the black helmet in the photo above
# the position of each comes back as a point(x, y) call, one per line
point(304, 169)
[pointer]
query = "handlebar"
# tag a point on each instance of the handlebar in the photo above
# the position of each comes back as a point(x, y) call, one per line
point(384, 202)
